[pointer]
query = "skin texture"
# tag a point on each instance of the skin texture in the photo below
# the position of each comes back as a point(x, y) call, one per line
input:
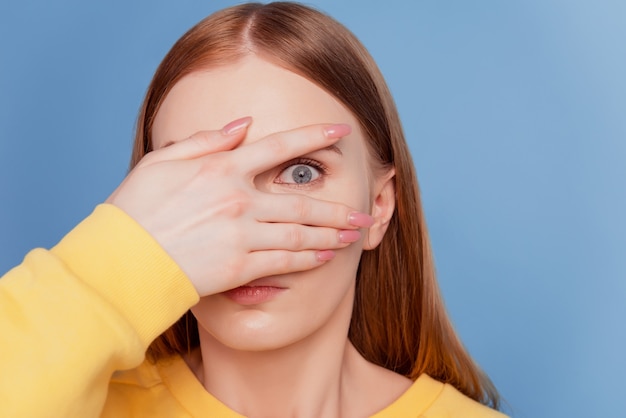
point(200, 203)
point(296, 342)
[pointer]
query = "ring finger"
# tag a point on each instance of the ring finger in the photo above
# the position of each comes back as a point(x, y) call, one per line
point(296, 237)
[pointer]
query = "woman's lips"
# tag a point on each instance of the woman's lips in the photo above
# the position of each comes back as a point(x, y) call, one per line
point(255, 292)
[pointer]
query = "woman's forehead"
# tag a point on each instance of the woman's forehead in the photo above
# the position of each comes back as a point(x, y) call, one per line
point(276, 98)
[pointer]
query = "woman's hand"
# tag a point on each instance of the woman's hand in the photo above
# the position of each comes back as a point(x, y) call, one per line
point(198, 200)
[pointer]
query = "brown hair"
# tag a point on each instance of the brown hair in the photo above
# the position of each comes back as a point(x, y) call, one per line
point(399, 319)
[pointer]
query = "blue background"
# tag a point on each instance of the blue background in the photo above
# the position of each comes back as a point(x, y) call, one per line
point(515, 113)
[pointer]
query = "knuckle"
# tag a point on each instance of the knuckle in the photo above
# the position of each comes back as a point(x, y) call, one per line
point(236, 203)
point(302, 208)
point(333, 240)
point(339, 213)
point(307, 261)
point(199, 137)
point(326, 238)
point(236, 209)
point(198, 141)
point(204, 140)
point(295, 236)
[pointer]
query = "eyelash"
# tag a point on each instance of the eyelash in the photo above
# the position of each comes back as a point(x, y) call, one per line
point(303, 161)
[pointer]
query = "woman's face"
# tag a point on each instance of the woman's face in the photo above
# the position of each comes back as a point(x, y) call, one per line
point(314, 301)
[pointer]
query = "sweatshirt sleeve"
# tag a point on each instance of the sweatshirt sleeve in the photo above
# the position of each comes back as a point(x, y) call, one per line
point(91, 305)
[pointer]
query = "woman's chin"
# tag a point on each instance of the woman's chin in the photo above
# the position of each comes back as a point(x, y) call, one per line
point(250, 330)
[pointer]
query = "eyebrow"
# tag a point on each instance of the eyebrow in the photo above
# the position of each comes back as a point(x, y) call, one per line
point(334, 148)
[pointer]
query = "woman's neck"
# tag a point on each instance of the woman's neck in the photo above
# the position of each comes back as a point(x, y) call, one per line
point(323, 375)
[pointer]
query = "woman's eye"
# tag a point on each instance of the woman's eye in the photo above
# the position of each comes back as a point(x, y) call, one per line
point(299, 174)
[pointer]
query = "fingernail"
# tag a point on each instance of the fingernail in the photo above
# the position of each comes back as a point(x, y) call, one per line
point(337, 131)
point(349, 236)
point(325, 255)
point(360, 219)
point(236, 125)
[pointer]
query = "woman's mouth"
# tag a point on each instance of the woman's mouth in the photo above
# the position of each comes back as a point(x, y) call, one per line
point(254, 292)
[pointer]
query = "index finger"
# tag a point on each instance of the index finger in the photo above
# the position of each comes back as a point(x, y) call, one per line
point(280, 147)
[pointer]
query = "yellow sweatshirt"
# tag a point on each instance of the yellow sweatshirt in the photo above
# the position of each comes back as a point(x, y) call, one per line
point(75, 323)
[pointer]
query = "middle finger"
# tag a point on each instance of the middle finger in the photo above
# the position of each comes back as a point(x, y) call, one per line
point(306, 210)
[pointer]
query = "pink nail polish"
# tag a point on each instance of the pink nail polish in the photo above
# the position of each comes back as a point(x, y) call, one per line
point(362, 220)
point(325, 255)
point(236, 125)
point(349, 236)
point(337, 131)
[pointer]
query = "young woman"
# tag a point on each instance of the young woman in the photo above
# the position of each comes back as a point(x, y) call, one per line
point(279, 266)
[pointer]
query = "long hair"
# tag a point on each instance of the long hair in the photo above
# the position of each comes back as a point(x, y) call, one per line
point(399, 319)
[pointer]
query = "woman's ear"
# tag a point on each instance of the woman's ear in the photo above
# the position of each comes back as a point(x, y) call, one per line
point(383, 206)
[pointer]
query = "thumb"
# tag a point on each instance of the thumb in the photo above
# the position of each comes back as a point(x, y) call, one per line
point(205, 142)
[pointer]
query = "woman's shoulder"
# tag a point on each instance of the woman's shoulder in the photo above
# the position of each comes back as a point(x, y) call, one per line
point(452, 403)
point(138, 392)
point(428, 397)
point(167, 388)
